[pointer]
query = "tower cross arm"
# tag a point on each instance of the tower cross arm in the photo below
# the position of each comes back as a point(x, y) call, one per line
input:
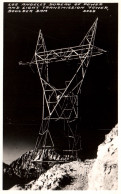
point(65, 54)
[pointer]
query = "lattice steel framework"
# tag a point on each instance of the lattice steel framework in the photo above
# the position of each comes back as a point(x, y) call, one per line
point(62, 103)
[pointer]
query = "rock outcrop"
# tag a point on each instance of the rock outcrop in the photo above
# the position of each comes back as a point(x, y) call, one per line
point(26, 169)
point(96, 174)
point(9, 179)
point(104, 174)
point(68, 176)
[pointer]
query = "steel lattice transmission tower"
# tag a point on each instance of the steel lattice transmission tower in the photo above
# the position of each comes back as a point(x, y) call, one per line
point(62, 104)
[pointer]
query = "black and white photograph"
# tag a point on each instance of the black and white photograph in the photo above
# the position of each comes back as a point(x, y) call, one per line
point(60, 96)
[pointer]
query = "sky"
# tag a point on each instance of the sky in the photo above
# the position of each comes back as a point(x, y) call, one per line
point(22, 93)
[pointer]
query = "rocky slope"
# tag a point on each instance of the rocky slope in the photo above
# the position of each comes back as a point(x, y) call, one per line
point(26, 166)
point(96, 174)
point(104, 174)
point(9, 179)
point(68, 176)
point(22, 167)
point(26, 169)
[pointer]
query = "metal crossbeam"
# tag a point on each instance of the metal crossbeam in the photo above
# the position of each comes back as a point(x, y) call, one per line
point(66, 54)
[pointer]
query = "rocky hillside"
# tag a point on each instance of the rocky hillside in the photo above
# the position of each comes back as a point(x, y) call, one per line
point(68, 176)
point(26, 169)
point(104, 174)
point(22, 166)
point(26, 166)
point(96, 174)
point(9, 179)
